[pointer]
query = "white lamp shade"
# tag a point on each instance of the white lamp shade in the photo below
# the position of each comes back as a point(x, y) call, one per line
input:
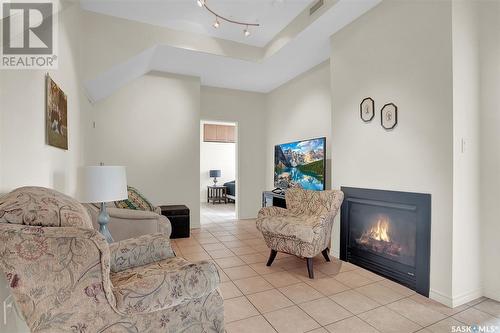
point(103, 184)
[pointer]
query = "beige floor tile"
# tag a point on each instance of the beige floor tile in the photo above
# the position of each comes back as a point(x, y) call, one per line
point(300, 292)
point(429, 303)
point(330, 268)
point(239, 251)
point(192, 249)
point(353, 279)
point(281, 279)
point(229, 290)
point(444, 326)
point(238, 308)
point(351, 325)
point(416, 312)
point(253, 285)
point(208, 240)
point(354, 301)
point(229, 262)
point(227, 238)
point(253, 258)
point(214, 246)
point(369, 274)
point(489, 306)
point(325, 311)
point(379, 293)
point(327, 285)
point(250, 325)
point(387, 321)
point(291, 320)
point(233, 244)
point(318, 330)
point(196, 256)
point(347, 266)
point(302, 274)
point(270, 300)
point(239, 272)
point(217, 254)
point(473, 316)
point(400, 289)
point(262, 269)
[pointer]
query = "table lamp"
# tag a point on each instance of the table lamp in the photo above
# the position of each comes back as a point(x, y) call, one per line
point(101, 184)
point(214, 174)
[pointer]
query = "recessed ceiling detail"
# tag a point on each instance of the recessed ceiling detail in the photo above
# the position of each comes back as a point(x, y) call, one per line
point(299, 53)
point(184, 15)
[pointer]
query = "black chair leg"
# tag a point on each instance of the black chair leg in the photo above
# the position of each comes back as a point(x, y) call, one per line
point(271, 257)
point(310, 267)
point(325, 254)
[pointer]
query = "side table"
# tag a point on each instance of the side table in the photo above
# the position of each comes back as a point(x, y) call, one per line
point(216, 193)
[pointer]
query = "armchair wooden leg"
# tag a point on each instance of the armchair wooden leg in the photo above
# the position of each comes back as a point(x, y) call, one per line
point(310, 267)
point(271, 257)
point(325, 254)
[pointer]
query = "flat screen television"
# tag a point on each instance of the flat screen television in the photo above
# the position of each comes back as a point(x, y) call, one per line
point(300, 164)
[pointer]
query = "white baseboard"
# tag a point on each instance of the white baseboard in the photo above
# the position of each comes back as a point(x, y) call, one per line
point(455, 301)
point(441, 298)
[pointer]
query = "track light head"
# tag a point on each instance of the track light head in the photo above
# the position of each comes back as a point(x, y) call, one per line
point(216, 23)
point(246, 32)
point(200, 3)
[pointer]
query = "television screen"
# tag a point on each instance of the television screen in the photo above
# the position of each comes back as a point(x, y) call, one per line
point(300, 164)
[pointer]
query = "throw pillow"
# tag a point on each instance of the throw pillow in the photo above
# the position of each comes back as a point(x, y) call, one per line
point(135, 201)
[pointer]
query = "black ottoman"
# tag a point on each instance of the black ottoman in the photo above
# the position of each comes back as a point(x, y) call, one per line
point(179, 219)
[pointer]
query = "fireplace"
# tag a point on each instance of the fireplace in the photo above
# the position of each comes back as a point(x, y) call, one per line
point(388, 233)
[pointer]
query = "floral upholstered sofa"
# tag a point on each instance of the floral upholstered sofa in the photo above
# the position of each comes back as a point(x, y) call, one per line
point(66, 278)
point(303, 229)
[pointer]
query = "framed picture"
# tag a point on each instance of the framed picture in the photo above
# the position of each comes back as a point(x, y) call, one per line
point(389, 116)
point(56, 115)
point(367, 109)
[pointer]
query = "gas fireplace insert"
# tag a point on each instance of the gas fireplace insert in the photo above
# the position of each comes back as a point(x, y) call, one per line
point(388, 232)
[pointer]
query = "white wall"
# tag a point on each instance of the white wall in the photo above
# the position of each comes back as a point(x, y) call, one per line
point(248, 111)
point(466, 213)
point(152, 127)
point(490, 138)
point(299, 109)
point(390, 55)
point(215, 156)
point(25, 159)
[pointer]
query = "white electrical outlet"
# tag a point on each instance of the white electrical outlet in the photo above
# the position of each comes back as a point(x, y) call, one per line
point(8, 307)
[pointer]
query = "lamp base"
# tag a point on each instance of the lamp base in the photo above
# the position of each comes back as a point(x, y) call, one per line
point(103, 220)
point(215, 181)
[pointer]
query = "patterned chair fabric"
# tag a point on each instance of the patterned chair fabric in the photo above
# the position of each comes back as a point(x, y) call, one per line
point(58, 270)
point(305, 227)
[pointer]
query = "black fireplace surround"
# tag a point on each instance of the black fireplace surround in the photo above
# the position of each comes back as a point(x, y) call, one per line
point(388, 232)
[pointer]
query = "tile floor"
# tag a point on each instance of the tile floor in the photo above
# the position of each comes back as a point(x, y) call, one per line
point(342, 297)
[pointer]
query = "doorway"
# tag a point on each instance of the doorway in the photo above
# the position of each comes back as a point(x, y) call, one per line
point(218, 172)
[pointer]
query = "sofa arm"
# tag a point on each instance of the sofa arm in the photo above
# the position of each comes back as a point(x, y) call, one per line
point(140, 251)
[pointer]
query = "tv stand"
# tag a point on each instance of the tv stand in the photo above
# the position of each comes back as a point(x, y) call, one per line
point(269, 198)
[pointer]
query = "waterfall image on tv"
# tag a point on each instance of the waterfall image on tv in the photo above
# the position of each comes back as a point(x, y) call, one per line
point(300, 164)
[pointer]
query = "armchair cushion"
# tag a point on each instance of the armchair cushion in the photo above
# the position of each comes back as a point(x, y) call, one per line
point(140, 251)
point(289, 226)
point(135, 201)
point(163, 284)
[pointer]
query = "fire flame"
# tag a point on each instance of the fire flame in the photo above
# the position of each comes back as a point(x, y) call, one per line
point(379, 231)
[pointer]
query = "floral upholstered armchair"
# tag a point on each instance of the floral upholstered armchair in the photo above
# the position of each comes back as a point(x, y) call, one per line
point(303, 229)
point(66, 278)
